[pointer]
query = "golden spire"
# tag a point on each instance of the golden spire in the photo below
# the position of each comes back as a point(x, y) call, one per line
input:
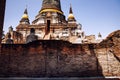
point(25, 15)
point(71, 16)
point(25, 18)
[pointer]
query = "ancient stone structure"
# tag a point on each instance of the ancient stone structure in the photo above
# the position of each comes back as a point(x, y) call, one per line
point(46, 59)
point(58, 58)
point(51, 24)
point(108, 54)
point(15, 36)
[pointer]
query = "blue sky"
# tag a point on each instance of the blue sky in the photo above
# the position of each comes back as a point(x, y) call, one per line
point(95, 15)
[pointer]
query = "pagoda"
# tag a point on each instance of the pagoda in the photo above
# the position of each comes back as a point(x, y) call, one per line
point(50, 24)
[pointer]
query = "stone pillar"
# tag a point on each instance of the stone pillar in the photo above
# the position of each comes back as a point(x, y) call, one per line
point(2, 12)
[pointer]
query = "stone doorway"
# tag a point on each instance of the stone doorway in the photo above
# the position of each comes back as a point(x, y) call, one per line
point(48, 27)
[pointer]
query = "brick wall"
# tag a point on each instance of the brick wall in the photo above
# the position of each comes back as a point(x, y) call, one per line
point(49, 58)
point(54, 58)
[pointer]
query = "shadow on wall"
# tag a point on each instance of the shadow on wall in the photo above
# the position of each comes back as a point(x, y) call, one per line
point(49, 58)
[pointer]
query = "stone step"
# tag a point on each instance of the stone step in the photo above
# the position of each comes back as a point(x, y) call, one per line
point(47, 37)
